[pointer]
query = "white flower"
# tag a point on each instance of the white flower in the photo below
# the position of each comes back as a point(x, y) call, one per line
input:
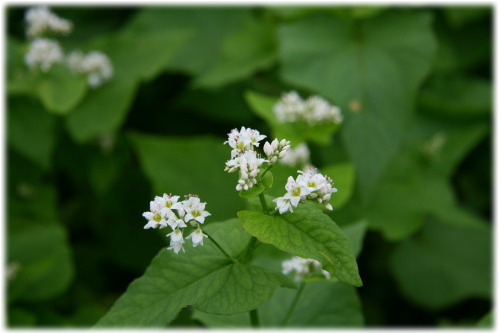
point(276, 150)
point(96, 65)
point(244, 139)
point(309, 185)
point(154, 219)
point(197, 237)
point(41, 20)
point(42, 54)
point(298, 155)
point(176, 247)
point(195, 210)
point(303, 268)
point(313, 111)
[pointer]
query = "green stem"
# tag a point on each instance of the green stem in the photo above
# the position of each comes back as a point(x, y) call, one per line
point(293, 305)
point(263, 203)
point(219, 247)
point(254, 318)
point(266, 170)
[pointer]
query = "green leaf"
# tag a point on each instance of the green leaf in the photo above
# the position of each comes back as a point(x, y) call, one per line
point(202, 277)
point(43, 259)
point(444, 264)
point(370, 69)
point(315, 308)
point(30, 130)
point(342, 175)
point(297, 132)
point(60, 90)
point(256, 37)
point(189, 165)
point(307, 233)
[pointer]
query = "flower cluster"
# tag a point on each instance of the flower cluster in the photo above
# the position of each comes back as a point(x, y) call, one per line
point(96, 65)
point(310, 184)
point(43, 53)
point(313, 111)
point(168, 211)
point(40, 21)
point(246, 160)
point(303, 268)
point(299, 155)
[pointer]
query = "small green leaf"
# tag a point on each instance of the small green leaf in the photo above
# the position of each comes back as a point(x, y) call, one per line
point(343, 178)
point(258, 188)
point(307, 233)
point(202, 277)
point(267, 180)
point(60, 90)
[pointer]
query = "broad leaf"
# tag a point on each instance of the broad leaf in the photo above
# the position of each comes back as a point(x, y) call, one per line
point(321, 304)
point(444, 264)
point(202, 277)
point(367, 67)
point(307, 233)
point(31, 130)
point(189, 165)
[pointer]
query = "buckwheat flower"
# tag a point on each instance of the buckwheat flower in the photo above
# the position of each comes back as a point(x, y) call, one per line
point(276, 150)
point(289, 108)
point(195, 210)
point(96, 65)
point(176, 236)
point(299, 155)
point(170, 201)
point(154, 216)
point(197, 237)
point(40, 20)
point(249, 166)
point(283, 204)
point(42, 54)
point(243, 140)
point(172, 220)
point(303, 268)
point(320, 111)
point(176, 247)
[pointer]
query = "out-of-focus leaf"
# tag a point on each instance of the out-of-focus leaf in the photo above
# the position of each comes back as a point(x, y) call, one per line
point(135, 58)
point(210, 26)
point(458, 96)
point(59, 90)
point(43, 260)
point(296, 132)
point(459, 16)
point(20, 318)
point(202, 277)
point(444, 264)
point(307, 233)
point(256, 38)
point(322, 304)
point(190, 165)
point(343, 179)
point(356, 232)
point(370, 69)
point(487, 320)
point(31, 130)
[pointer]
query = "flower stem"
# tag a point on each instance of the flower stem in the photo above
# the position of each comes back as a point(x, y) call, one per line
point(293, 305)
point(254, 318)
point(263, 203)
point(220, 248)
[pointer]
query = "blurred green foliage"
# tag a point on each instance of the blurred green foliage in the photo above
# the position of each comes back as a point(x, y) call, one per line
point(412, 159)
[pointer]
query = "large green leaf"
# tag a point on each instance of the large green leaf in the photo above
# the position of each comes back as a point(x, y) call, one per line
point(444, 264)
point(297, 132)
point(190, 165)
point(202, 277)
point(30, 130)
point(321, 304)
point(307, 233)
point(256, 37)
point(42, 255)
point(370, 68)
point(135, 57)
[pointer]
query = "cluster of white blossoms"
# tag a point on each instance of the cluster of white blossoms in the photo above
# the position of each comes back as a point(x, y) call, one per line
point(96, 65)
point(303, 268)
point(299, 155)
point(313, 111)
point(310, 184)
point(168, 211)
point(43, 53)
point(246, 160)
point(41, 21)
